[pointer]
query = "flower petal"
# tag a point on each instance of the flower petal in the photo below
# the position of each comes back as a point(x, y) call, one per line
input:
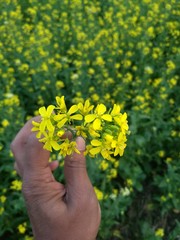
point(90, 117)
point(62, 122)
point(96, 142)
point(95, 151)
point(42, 111)
point(50, 109)
point(59, 117)
point(42, 126)
point(55, 145)
point(50, 127)
point(101, 108)
point(73, 109)
point(97, 124)
point(107, 117)
point(77, 117)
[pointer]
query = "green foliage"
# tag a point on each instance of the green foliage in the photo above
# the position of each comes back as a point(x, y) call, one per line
point(113, 51)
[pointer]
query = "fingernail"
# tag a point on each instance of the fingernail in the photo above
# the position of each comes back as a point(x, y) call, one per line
point(81, 146)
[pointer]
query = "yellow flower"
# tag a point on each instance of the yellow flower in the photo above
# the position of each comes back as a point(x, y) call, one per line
point(2, 198)
point(104, 165)
point(67, 148)
point(112, 174)
point(100, 61)
point(49, 141)
point(22, 228)
point(161, 153)
point(106, 132)
point(16, 185)
point(99, 194)
point(81, 131)
point(62, 118)
point(98, 117)
point(61, 104)
point(46, 122)
point(5, 123)
point(122, 122)
point(119, 144)
point(102, 147)
point(159, 232)
point(86, 108)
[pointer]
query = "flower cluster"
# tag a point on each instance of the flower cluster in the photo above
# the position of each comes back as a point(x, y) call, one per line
point(104, 131)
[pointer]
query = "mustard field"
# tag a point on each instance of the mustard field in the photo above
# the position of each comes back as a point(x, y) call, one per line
point(113, 52)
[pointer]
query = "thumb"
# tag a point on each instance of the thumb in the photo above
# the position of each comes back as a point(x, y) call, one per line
point(77, 180)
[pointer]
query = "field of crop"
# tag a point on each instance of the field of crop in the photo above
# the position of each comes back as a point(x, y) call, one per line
point(107, 51)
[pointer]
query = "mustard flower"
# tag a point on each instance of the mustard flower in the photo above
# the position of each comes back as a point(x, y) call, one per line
point(62, 118)
point(99, 193)
point(68, 147)
point(16, 185)
point(104, 132)
point(102, 147)
point(22, 228)
point(119, 144)
point(45, 115)
point(86, 108)
point(98, 117)
point(49, 142)
point(159, 232)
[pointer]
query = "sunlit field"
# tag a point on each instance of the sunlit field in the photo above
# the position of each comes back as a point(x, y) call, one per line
point(110, 52)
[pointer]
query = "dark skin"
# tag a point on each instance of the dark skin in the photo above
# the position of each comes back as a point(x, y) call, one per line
point(56, 211)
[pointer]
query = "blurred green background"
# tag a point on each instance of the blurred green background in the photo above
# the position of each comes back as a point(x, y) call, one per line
point(113, 51)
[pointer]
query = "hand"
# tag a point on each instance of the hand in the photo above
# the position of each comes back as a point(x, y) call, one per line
point(56, 212)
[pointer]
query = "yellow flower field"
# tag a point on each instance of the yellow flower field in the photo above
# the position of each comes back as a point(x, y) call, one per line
point(110, 53)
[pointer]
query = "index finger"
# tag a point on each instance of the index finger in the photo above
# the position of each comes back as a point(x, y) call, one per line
point(28, 151)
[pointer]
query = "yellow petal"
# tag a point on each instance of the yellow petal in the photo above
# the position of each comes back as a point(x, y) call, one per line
point(58, 100)
point(95, 151)
point(117, 120)
point(116, 152)
point(35, 123)
point(90, 117)
point(80, 106)
point(50, 109)
point(77, 117)
point(42, 111)
point(62, 122)
point(96, 142)
point(50, 127)
point(42, 126)
point(97, 124)
point(116, 109)
point(101, 108)
point(59, 117)
point(47, 146)
point(107, 117)
point(55, 145)
point(73, 109)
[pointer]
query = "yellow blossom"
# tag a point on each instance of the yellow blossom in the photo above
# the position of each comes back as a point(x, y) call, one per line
point(2, 199)
point(62, 118)
point(98, 116)
point(16, 185)
point(22, 228)
point(5, 123)
point(67, 148)
point(159, 232)
point(86, 108)
point(46, 122)
point(99, 194)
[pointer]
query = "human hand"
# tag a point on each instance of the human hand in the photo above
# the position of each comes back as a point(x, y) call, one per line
point(56, 211)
